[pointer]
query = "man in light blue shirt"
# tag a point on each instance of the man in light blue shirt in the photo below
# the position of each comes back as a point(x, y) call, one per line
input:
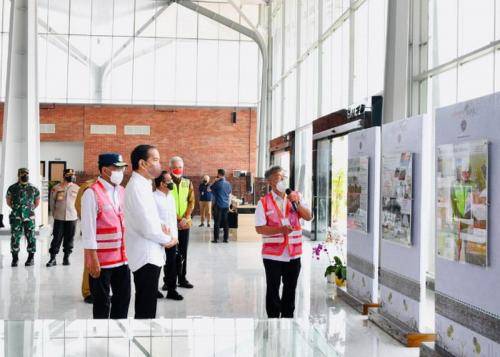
point(221, 190)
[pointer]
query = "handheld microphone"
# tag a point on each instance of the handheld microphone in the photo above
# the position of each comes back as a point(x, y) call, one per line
point(294, 204)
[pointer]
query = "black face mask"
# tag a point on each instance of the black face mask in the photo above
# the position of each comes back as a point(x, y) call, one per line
point(205, 182)
point(170, 186)
point(24, 178)
point(69, 178)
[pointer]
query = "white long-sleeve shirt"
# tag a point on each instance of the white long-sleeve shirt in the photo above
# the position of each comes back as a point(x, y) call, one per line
point(89, 215)
point(144, 235)
point(167, 211)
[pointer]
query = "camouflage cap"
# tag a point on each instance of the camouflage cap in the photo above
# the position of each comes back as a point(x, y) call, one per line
point(23, 170)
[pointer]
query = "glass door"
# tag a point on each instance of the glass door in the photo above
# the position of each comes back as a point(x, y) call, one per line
point(339, 162)
point(322, 189)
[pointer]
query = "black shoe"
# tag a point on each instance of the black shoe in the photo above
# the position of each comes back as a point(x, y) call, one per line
point(15, 260)
point(66, 259)
point(214, 241)
point(164, 287)
point(159, 295)
point(226, 241)
point(201, 225)
point(208, 225)
point(186, 285)
point(31, 260)
point(52, 262)
point(89, 299)
point(174, 295)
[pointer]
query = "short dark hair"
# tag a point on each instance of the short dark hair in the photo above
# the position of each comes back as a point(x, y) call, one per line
point(140, 152)
point(221, 172)
point(160, 178)
point(272, 170)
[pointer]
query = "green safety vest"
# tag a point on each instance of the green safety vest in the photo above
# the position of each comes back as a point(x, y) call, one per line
point(181, 194)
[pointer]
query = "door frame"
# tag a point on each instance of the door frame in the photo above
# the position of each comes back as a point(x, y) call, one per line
point(56, 162)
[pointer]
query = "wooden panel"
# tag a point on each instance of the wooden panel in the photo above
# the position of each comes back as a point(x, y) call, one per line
point(56, 170)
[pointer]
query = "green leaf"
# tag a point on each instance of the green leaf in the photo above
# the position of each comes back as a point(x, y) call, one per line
point(337, 260)
point(329, 270)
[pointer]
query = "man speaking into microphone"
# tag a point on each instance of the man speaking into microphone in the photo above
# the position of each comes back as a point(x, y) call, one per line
point(277, 219)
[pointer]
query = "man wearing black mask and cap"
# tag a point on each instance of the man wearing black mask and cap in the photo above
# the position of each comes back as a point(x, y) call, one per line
point(23, 198)
point(62, 206)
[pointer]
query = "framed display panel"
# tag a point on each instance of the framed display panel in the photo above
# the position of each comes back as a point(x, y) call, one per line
point(462, 202)
point(363, 245)
point(357, 193)
point(397, 196)
point(467, 262)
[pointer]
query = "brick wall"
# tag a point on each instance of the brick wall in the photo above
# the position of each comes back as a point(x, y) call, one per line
point(204, 137)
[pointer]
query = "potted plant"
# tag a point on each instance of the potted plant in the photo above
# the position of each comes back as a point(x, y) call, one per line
point(336, 271)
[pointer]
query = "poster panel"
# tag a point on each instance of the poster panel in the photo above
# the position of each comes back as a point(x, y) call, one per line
point(462, 202)
point(357, 194)
point(397, 186)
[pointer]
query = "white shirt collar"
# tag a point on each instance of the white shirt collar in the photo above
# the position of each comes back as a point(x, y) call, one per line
point(277, 197)
point(142, 179)
point(158, 192)
point(106, 184)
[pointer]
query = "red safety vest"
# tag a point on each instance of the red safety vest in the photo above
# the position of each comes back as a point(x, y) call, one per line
point(275, 244)
point(110, 229)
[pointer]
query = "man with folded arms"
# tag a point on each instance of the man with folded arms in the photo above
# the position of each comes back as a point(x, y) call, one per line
point(146, 237)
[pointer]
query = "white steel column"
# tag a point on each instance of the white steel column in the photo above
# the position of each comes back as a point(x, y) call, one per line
point(21, 128)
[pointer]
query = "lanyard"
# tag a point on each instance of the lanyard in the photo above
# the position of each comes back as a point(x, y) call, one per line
point(280, 212)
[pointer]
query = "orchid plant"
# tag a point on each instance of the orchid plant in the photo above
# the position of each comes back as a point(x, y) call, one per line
point(336, 266)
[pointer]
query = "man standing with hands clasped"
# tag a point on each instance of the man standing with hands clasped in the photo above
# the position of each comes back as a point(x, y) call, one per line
point(103, 240)
point(183, 194)
point(146, 237)
point(277, 219)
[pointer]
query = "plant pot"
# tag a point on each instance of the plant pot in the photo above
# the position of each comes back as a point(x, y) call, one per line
point(339, 282)
point(331, 278)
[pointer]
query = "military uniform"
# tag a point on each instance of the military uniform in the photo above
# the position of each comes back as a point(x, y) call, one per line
point(24, 197)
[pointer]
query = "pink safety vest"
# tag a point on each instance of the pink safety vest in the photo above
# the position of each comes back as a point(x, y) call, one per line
point(110, 230)
point(275, 244)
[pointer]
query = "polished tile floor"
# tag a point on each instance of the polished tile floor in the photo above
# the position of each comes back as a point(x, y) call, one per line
point(229, 284)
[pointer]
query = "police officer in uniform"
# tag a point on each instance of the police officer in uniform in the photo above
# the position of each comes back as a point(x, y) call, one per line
point(62, 206)
point(23, 198)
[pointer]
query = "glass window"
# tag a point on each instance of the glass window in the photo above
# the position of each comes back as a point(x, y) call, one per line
point(79, 69)
point(277, 45)
point(119, 70)
point(475, 78)
point(144, 75)
point(185, 79)
point(249, 86)
point(144, 11)
point(58, 16)
point(208, 52)
point(165, 71)
point(102, 18)
point(227, 84)
point(187, 23)
point(276, 121)
point(57, 65)
point(443, 25)
point(290, 33)
point(361, 55)
point(444, 89)
point(290, 102)
point(476, 24)
point(80, 17)
point(376, 45)
point(123, 21)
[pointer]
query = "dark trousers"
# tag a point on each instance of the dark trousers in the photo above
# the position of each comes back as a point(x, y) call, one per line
point(115, 307)
point(170, 268)
point(146, 291)
point(220, 221)
point(183, 251)
point(276, 271)
point(63, 232)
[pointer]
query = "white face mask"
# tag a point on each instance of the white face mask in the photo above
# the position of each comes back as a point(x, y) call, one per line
point(281, 186)
point(116, 177)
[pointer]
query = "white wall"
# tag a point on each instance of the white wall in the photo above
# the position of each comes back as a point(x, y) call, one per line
point(71, 152)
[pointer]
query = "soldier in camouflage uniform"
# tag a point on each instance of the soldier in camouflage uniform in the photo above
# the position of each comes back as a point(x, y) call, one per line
point(23, 198)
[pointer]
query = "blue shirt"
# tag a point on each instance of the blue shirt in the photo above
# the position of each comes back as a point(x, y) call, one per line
point(221, 190)
point(205, 195)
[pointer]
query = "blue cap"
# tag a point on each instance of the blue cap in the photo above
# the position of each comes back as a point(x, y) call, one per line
point(111, 158)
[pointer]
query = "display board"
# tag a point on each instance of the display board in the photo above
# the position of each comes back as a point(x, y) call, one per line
point(397, 185)
point(467, 250)
point(363, 244)
point(408, 210)
point(462, 202)
point(357, 193)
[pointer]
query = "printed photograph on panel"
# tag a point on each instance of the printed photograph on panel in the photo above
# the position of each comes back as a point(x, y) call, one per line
point(397, 186)
point(462, 202)
point(357, 194)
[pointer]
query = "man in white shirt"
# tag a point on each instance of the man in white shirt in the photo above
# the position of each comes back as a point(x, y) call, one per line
point(277, 219)
point(103, 240)
point(165, 203)
point(146, 236)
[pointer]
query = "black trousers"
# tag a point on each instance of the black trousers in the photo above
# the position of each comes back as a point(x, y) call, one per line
point(115, 307)
point(183, 251)
point(146, 290)
point(170, 268)
point(63, 232)
point(288, 272)
point(220, 221)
